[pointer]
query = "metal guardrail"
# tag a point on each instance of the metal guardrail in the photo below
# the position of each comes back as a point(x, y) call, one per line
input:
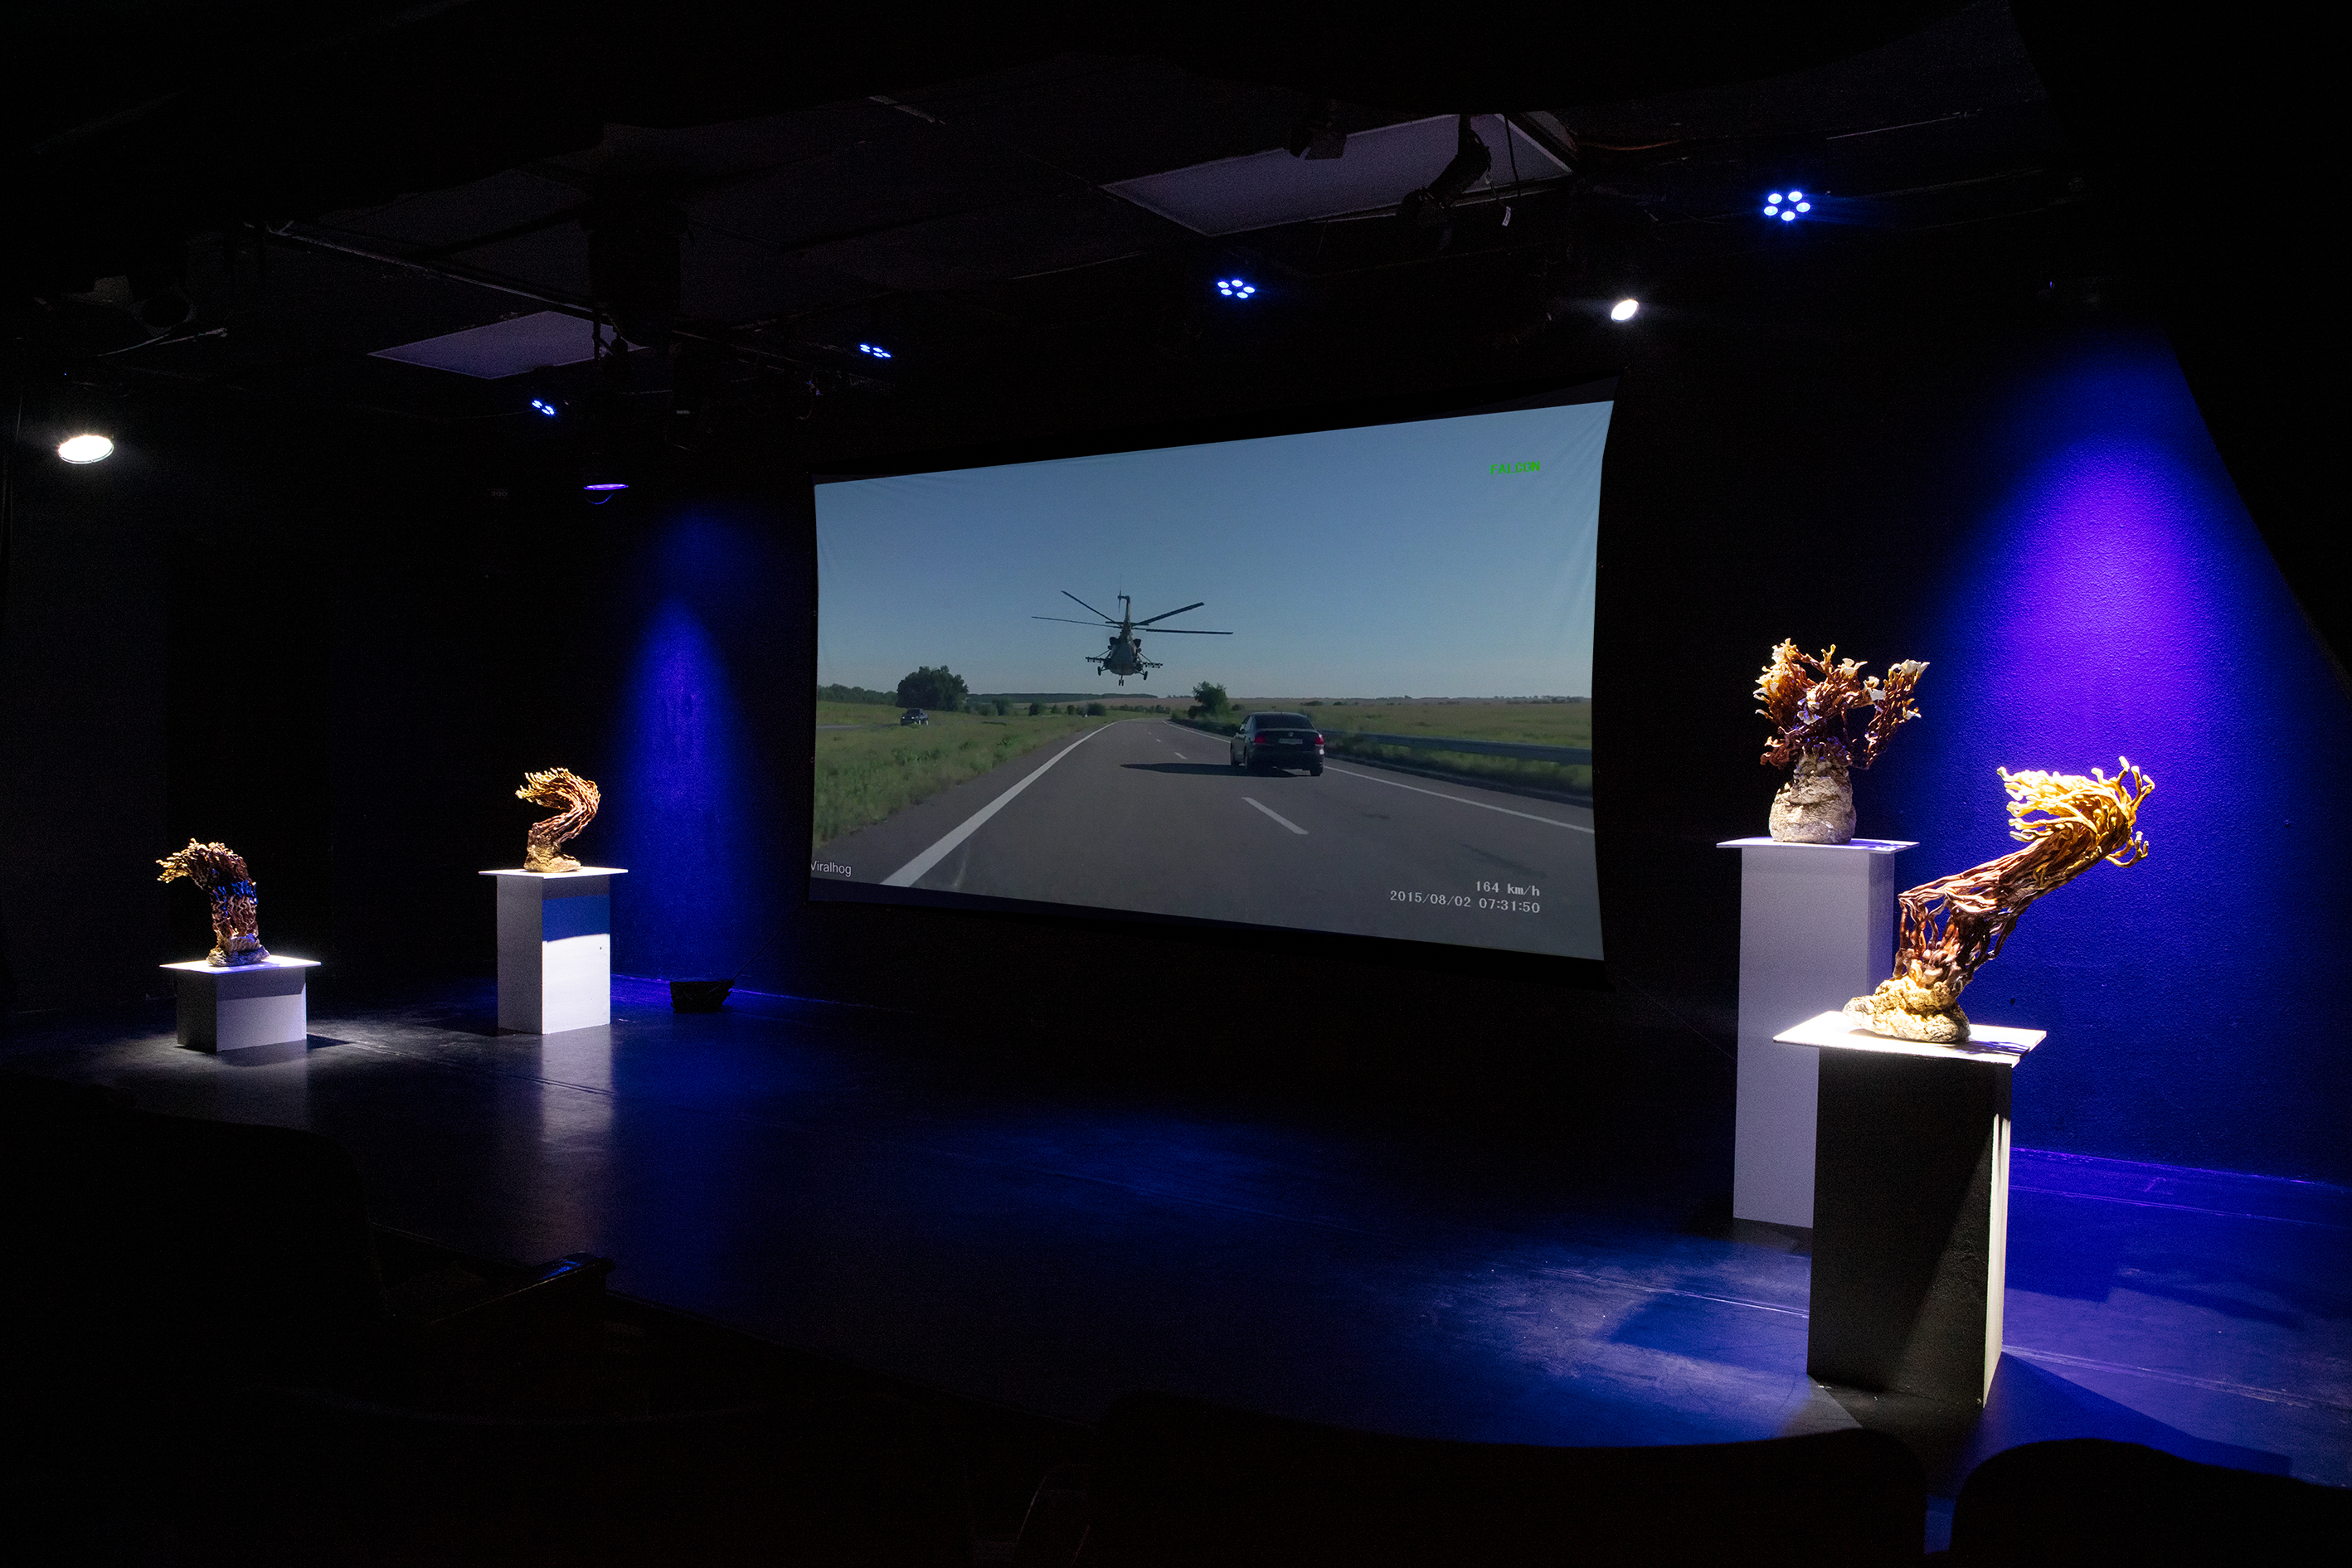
point(1568, 755)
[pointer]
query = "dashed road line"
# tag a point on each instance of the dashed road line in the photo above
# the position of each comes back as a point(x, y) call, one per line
point(1279, 817)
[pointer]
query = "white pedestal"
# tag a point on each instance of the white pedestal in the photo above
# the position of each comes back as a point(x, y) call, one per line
point(555, 948)
point(1816, 928)
point(1911, 1204)
point(253, 1004)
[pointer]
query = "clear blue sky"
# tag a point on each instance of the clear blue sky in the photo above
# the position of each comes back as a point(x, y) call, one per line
point(1385, 560)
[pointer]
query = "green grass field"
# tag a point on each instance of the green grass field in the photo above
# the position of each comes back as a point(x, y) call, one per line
point(866, 775)
point(856, 713)
point(1528, 723)
point(1534, 724)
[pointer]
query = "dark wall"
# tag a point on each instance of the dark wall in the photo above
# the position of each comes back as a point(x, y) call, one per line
point(2040, 516)
point(343, 664)
point(84, 674)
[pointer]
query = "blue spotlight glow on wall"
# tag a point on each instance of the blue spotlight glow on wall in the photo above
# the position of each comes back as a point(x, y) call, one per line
point(1235, 287)
point(875, 350)
point(1785, 204)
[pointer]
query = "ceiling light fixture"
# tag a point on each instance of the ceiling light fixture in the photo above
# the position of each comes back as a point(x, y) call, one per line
point(1625, 310)
point(602, 490)
point(1235, 287)
point(876, 349)
point(544, 405)
point(86, 449)
point(1785, 204)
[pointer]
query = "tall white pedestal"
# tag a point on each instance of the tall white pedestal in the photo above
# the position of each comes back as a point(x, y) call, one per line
point(1911, 1206)
point(1816, 928)
point(555, 948)
point(253, 1004)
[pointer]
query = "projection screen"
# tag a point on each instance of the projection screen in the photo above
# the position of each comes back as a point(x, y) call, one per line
point(1334, 680)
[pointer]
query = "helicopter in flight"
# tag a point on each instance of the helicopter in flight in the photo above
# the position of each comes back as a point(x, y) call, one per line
point(1124, 657)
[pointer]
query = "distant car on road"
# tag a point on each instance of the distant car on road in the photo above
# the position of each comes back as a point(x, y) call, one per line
point(1276, 740)
point(914, 716)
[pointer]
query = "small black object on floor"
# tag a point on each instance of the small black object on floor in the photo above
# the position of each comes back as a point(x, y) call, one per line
point(698, 996)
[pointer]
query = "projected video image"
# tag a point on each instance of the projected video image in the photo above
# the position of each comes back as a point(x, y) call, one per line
point(1336, 682)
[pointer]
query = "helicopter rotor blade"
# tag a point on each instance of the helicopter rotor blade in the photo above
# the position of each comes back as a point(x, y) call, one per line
point(1083, 604)
point(1185, 631)
point(1166, 613)
point(1065, 619)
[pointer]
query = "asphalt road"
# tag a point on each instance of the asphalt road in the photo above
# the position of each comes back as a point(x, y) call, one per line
point(1146, 815)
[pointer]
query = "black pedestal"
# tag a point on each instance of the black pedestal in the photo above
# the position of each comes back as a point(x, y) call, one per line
point(1910, 1219)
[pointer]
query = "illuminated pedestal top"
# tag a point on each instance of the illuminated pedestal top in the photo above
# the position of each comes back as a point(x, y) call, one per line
point(560, 875)
point(1864, 846)
point(1986, 1042)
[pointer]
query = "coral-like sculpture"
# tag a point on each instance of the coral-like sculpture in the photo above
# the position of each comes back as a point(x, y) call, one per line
point(579, 799)
point(1953, 927)
point(236, 908)
point(1814, 704)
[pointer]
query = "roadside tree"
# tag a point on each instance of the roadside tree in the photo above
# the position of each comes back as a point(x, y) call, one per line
point(932, 686)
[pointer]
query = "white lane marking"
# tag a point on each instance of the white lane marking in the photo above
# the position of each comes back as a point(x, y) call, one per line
point(1530, 815)
point(1279, 817)
point(1178, 756)
point(907, 875)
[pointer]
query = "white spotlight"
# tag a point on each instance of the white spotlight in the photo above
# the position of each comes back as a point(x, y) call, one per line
point(86, 449)
point(1625, 310)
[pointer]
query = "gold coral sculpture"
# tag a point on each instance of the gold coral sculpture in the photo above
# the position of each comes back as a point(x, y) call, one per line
point(220, 871)
point(1812, 702)
point(1953, 927)
point(579, 799)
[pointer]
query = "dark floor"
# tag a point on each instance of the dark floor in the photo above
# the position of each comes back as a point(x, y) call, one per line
point(863, 1186)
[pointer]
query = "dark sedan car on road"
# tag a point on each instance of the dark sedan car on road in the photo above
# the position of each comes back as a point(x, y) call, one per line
point(1276, 740)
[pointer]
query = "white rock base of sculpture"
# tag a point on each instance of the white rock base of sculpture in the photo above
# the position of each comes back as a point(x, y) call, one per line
point(555, 948)
point(1816, 805)
point(251, 1005)
point(1814, 919)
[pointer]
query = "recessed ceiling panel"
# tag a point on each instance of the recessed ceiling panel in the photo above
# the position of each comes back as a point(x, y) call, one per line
point(878, 186)
point(1262, 189)
point(451, 218)
point(1021, 239)
point(503, 347)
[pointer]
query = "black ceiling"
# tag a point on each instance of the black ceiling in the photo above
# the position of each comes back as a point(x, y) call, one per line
point(320, 182)
point(441, 170)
